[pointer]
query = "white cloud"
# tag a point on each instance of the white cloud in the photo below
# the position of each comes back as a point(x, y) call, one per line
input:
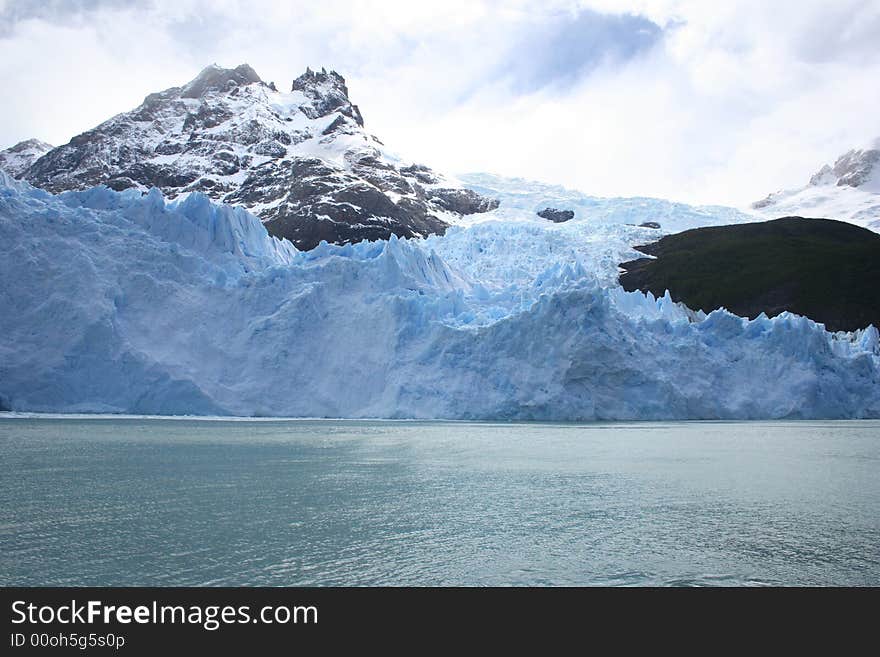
point(735, 100)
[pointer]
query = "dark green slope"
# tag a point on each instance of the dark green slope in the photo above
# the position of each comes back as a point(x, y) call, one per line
point(826, 270)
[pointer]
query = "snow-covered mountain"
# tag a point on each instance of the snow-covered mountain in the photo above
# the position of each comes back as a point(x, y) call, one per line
point(301, 160)
point(16, 159)
point(123, 302)
point(848, 190)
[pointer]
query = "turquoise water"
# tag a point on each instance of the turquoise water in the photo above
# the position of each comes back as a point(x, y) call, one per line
point(145, 501)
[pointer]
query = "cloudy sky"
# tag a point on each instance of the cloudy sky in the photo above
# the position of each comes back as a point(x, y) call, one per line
point(698, 101)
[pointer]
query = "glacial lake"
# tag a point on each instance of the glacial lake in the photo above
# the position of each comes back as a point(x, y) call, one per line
point(146, 501)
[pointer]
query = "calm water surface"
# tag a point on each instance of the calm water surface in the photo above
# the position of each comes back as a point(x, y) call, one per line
point(184, 502)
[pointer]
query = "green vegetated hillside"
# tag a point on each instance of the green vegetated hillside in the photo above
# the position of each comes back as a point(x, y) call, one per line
point(826, 270)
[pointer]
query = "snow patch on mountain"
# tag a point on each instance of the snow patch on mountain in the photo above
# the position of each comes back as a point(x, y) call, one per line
point(118, 302)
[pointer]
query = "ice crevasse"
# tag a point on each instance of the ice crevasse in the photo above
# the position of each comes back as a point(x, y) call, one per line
point(122, 302)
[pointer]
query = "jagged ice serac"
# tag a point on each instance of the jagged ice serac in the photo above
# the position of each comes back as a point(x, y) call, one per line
point(127, 302)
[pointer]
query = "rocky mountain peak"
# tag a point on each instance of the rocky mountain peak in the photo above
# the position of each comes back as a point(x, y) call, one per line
point(30, 144)
point(852, 169)
point(327, 93)
point(301, 161)
point(856, 168)
point(311, 80)
point(216, 78)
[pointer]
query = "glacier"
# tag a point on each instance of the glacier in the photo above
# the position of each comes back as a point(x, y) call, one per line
point(125, 302)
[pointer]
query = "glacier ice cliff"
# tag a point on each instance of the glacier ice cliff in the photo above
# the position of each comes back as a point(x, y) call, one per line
point(123, 302)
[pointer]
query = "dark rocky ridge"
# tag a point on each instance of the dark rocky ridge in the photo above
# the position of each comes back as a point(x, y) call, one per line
point(826, 270)
point(301, 161)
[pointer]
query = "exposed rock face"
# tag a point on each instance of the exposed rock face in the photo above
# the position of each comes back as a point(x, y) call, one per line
point(337, 205)
point(461, 201)
point(556, 216)
point(16, 159)
point(301, 161)
point(650, 224)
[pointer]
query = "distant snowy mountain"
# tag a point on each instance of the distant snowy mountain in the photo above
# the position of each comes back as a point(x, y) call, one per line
point(847, 191)
point(301, 160)
point(124, 302)
point(16, 159)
